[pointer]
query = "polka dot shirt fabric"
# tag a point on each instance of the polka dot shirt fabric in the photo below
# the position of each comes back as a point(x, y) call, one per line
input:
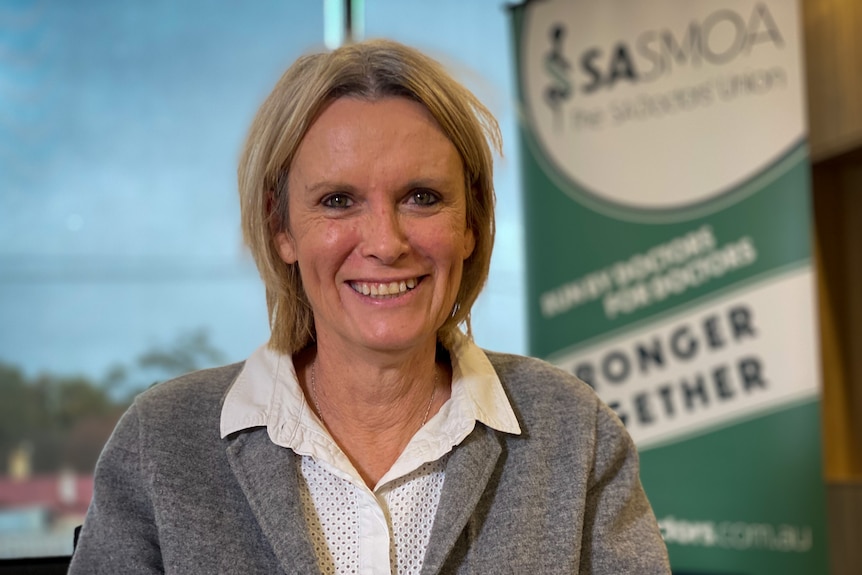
point(357, 531)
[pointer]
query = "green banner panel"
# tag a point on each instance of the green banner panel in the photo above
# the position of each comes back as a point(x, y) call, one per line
point(667, 203)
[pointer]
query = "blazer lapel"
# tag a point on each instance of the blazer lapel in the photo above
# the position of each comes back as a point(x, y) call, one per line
point(267, 475)
point(470, 467)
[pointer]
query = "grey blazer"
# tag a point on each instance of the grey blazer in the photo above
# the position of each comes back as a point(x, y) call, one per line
point(171, 496)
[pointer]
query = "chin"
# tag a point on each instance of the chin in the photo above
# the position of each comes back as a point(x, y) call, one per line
point(398, 341)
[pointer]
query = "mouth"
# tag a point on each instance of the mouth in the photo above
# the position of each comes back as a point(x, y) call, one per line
point(384, 289)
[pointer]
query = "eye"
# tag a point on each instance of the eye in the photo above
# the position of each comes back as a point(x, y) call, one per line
point(423, 197)
point(337, 201)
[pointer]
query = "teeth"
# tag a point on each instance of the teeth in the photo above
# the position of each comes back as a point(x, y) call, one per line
point(384, 289)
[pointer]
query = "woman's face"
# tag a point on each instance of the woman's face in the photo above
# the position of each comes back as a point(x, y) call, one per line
point(377, 224)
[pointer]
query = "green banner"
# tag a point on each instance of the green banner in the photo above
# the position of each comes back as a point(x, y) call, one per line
point(667, 202)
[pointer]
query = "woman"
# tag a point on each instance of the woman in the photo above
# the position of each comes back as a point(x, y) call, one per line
point(370, 435)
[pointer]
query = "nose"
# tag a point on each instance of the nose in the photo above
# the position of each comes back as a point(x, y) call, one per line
point(384, 235)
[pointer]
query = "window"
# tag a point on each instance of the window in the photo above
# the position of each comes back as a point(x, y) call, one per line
point(120, 253)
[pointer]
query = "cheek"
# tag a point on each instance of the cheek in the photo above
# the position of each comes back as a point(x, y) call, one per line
point(450, 249)
point(334, 237)
point(326, 245)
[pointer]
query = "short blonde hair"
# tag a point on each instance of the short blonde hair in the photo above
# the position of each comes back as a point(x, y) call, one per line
point(368, 70)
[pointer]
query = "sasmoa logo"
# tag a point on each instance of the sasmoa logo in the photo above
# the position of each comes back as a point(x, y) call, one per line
point(557, 67)
point(636, 83)
point(717, 39)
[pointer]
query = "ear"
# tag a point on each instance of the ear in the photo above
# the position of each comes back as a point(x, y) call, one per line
point(285, 247)
point(469, 242)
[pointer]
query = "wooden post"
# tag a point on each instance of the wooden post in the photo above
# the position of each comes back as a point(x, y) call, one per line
point(833, 50)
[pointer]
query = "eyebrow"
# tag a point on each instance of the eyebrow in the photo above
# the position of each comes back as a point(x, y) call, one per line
point(424, 182)
point(328, 186)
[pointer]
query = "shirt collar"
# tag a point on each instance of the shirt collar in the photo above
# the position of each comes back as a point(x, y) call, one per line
point(267, 394)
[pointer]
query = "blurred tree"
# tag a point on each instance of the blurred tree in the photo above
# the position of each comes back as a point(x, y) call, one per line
point(189, 352)
point(63, 421)
point(19, 411)
point(37, 414)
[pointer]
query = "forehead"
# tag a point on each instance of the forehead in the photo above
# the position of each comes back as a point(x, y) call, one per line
point(363, 113)
point(393, 132)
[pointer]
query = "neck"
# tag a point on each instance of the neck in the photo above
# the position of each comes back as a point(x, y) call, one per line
point(372, 411)
point(316, 399)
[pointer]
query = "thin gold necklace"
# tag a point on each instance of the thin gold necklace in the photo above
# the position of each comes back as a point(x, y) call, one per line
point(320, 412)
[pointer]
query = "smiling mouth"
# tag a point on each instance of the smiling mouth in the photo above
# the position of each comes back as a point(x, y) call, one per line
point(381, 290)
